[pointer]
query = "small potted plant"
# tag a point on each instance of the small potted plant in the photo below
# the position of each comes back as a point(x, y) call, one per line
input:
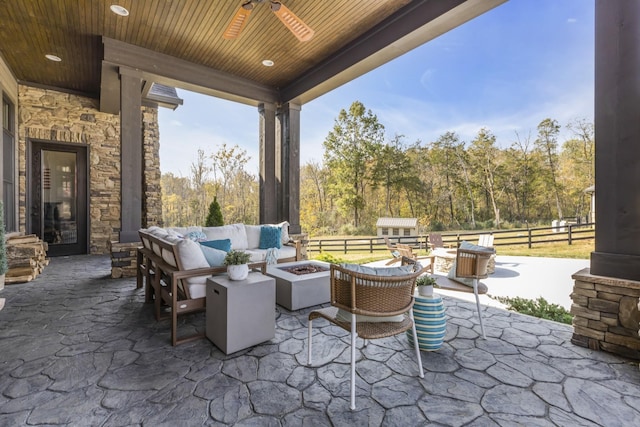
point(425, 285)
point(237, 264)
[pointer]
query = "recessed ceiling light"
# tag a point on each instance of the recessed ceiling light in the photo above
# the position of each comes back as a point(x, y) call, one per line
point(54, 58)
point(267, 63)
point(119, 10)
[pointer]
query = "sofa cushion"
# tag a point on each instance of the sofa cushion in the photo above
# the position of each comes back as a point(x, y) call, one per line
point(222, 244)
point(191, 257)
point(253, 236)
point(270, 237)
point(379, 271)
point(260, 255)
point(234, 232)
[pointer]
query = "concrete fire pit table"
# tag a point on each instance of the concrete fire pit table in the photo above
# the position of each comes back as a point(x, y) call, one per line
point(301, 284)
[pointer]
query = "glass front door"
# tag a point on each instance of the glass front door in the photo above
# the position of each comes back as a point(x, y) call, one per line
point(59, 206)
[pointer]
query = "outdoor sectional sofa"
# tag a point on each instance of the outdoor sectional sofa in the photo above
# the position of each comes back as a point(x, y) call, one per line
point(173, 265)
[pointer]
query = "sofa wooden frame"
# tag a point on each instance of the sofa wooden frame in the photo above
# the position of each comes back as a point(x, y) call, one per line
point(165, 282)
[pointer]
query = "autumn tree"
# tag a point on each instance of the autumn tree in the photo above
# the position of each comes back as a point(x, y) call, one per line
point(547, 143)
point(316, 210)
point(199, 173)
point(485, 161)
point(350, 148)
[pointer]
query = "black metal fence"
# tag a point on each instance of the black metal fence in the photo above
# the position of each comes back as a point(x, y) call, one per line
point(568, 233)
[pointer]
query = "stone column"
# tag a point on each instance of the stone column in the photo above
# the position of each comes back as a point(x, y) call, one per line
point(617, 135)
point(268, 185)
point(130, 154)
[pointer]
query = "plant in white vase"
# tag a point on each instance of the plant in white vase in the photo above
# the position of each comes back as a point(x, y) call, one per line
point(237, 264)
point(425, 285)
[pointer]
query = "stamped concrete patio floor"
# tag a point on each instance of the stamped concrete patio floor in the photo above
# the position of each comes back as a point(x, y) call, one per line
point(79, 348)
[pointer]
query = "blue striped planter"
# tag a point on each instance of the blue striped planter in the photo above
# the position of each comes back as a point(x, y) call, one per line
point(431, 322)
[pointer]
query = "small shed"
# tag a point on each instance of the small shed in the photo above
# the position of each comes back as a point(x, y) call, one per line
point(591, 191)
point(397, 227)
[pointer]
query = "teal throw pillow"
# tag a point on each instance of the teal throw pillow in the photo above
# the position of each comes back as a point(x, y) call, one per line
point(215, 257)
point(223, 245)
point(270, 237)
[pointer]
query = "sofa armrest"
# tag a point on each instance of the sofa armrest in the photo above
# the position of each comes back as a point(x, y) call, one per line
point(300, 245)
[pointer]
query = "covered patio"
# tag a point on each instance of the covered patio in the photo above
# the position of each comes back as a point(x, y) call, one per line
point(81, 348)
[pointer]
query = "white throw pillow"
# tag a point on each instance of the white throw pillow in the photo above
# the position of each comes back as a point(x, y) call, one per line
point(191, 257)
point(284, 226)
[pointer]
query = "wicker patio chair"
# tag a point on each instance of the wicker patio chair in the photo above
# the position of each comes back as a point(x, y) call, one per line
point(354, 295)
point(473, 264)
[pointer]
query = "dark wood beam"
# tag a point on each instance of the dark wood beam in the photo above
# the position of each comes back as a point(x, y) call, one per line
point(289, 142)
point(410, 27)
point(109, 89)
point(617, 134)
point(175, 72)
point(130, 155)
point(268, 187)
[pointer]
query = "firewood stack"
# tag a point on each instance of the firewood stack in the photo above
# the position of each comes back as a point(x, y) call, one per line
point(27, 257)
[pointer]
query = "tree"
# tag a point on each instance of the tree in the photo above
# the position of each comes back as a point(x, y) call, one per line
point(446, 165)
point(316, 210)
point(199, 172)
point(577, 165)
point(350, 148)
point(485, 162)
point(227, 164)
point(547, 143)
point(214, 218)
point(394, 172)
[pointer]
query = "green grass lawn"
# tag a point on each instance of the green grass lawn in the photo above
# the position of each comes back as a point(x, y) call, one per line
point(579, 250)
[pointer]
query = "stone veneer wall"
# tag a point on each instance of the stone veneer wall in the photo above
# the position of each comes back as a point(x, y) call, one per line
point(605, 314)
point(152, 202)
point(53, 116)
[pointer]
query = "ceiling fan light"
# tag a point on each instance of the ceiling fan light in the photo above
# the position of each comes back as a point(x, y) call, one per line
point(238, 22)
point(299, 29)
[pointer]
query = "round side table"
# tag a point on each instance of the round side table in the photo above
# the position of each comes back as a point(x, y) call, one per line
point(431, 322)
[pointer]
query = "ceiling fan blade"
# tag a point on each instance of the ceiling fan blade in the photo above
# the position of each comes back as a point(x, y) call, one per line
point(299, 29)
point(238, 22)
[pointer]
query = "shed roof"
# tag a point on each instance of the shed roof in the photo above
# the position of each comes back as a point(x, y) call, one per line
point(397, 222)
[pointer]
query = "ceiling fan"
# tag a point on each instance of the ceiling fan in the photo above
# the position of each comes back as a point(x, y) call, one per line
point(299, 29)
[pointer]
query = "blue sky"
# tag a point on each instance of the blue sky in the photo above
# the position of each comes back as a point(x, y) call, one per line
point(506, 70)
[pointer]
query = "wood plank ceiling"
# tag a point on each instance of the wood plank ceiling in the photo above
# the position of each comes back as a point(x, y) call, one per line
point(187, 29)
